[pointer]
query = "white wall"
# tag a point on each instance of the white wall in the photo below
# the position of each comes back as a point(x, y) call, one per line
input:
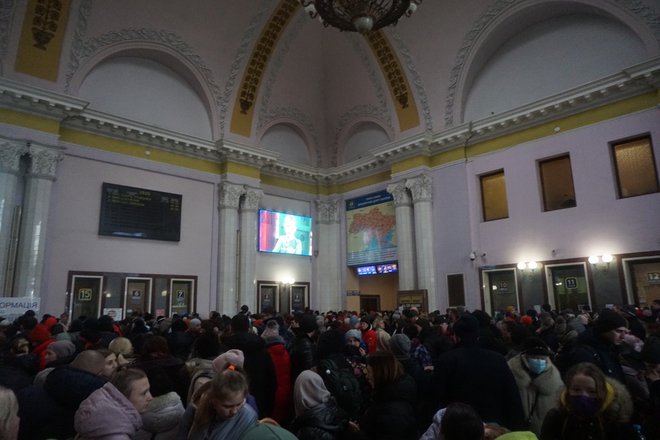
point(73, 242)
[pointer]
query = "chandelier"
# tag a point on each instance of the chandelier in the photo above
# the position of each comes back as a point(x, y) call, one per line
point(359, 15)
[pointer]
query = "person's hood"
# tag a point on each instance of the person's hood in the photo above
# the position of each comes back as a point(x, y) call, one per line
point(69, 386)
point(106, 413)
point(163, 413)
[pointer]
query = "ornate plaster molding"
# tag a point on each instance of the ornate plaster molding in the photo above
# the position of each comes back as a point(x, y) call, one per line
point(636, 7)
point(400, 193)
point(302, 119)
point(255, 25)
point(328, 211)
point(421, 188)
point(7, 11)
point(44, 162)
point(229, 195)
point(32, 100)
point(251, 199)
point(10, 155)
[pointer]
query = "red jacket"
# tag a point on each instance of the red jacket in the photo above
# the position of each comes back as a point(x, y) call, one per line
point(371, 339)
point(283, 403)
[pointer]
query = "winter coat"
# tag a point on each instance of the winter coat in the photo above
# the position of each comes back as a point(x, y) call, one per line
point(481, 378)
point(161, 419)
point(107, 414)
point(391, 416)
point(48, 411)
point(598, 351)
point(259, 368)
point(283, 402)
point(322, 422)
point(165, 372)
point(539, 394)
point(229, 429)
point(611, 422)
point(302, 353)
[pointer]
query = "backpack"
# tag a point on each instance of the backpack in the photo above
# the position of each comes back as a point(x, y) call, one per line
point(343, 385)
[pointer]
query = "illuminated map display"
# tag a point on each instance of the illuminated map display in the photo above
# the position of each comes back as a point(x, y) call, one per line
point(371, 229)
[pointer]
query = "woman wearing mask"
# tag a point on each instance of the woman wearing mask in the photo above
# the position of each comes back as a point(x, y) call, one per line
point(592, 406)
point(539, 381)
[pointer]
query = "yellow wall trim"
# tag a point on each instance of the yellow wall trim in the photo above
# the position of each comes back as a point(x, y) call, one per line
point(135, 150)
point(410, 163)
point(240, 169)
point(26, 120)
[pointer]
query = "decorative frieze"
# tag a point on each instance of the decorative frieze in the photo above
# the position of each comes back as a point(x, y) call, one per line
point(327, 211)
point(229, 195)
point(10, 155)
point(421, 188)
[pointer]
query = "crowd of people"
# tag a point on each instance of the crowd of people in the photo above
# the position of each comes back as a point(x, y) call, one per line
point(396, 375)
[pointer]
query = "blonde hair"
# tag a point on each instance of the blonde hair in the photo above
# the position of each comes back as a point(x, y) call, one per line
point(121, 345)
point(8, 411)
point(229, 381)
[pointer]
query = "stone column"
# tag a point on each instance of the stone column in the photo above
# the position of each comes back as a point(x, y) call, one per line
point(328, 289)
point(405, 238)
point(10, 162)
point(34, 220)
point(229, 198)
point(422, 193)
point(248, 249)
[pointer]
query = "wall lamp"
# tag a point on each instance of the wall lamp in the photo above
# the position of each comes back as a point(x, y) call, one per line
point(601, 261)
point(527, 265)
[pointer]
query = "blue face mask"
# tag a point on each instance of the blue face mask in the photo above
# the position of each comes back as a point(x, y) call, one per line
point(537, 365)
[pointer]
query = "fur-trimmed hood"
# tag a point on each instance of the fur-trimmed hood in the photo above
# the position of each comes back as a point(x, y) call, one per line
point(548, 383)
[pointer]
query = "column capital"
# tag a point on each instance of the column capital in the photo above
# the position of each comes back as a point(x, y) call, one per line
point(400, 194)
point(328, 211)
point(44, 161)
point(252, 198)
point(229, 195)
point(421, 188)
point(10, 155)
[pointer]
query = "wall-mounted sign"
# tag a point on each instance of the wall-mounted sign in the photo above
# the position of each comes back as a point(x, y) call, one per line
point(571, 283)
point(84, 294)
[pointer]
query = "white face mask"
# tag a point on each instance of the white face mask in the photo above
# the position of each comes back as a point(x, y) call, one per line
point(537, 365)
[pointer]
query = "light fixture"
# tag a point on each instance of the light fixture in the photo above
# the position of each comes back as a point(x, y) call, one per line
point(527, 265)
point(605, 259)
point(163, 293)
point(359, 15)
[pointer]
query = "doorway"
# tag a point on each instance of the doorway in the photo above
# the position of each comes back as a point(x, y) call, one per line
point(568, 286)
point(500, 290)
point(369, 302)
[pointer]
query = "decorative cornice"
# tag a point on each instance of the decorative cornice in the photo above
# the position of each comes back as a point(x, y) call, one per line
point(246, 154)
point(636, 7)
point(32, 100)
point(44, 161)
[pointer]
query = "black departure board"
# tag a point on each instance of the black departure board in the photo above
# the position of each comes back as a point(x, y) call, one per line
point(140, 213)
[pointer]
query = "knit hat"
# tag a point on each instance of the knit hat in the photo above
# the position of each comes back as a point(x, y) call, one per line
point(353, 320)
point(307, 323)
point(608, 320)
point(308, 392)
point(271, 331)
point(62, 349)
point(265, 431)
point(353, 333)
point(195, 323)
point(229, 357)
point(526, 320)
point(467, 326)
point(400, 346)
point(535, 346)
point(651, 350)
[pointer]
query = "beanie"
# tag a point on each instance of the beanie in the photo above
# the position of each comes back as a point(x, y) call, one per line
point(307, 323)
point(353, 333)
point(608, 320)
point(400, 346)
point(62, 349)
point(266, 431)
point(467, 326)
point(229, 357)
point(535, 346)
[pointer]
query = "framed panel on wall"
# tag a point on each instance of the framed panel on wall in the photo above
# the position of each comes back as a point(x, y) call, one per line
point(299, 298)
point(182, 296)
point(85, 296)
point(268, 297)
point(137, 295)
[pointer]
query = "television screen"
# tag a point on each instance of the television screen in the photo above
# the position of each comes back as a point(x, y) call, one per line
point(139, 213)
point(387, 268)
point(366, 270)
point(377, 269)
point(283, 233)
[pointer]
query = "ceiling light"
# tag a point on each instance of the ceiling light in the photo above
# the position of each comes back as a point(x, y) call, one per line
point(359, 15)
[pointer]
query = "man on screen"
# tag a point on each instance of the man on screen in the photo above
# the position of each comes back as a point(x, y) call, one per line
point(288, 243)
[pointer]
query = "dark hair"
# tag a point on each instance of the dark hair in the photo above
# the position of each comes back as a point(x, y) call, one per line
point(154, 344)
point(124, 378)
point(240, 323)
point(461, 422)
point(386, 368)
point(105, 324)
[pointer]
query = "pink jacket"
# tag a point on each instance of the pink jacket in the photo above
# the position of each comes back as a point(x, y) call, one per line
point(108, 415)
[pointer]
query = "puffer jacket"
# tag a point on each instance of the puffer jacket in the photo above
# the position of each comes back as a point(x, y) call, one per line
point(392, 415)
point(161, 419)
point(323, 422)
point(106, 414)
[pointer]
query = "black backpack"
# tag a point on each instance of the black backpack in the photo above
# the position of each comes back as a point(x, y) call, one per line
point(343, 385)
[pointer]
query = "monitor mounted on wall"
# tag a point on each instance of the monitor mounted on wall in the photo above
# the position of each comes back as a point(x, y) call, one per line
point(284, 233)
